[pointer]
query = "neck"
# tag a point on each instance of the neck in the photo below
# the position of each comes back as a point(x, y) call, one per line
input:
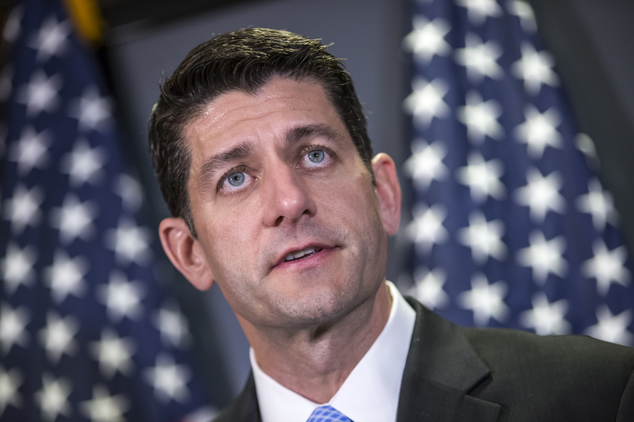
point(314, 362)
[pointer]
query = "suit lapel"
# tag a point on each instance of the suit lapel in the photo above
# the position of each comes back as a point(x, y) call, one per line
point(441, 369)
point(244, 408)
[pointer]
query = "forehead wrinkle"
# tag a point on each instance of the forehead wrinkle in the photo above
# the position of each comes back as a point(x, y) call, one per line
point(213, 163)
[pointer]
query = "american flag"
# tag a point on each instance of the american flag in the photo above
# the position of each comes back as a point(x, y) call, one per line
point(511, 225)
point(86, 331)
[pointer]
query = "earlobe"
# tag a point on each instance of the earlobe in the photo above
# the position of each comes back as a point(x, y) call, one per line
point(388, 191)
point(185, 252)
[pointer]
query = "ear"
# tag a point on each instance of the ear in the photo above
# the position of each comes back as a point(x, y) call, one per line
point(185, 252)
point(388, 191)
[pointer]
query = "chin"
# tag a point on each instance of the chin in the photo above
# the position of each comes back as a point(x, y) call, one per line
point(320, 306)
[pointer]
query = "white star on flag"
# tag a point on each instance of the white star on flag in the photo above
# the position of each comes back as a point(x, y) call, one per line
point(479, 10)
point(172, 325)
point(525, 13)
point(53, 398)
point(611, 327)
point(485, 300)
point(426, 163)
point(23, 209)
point(10, 381)
point(12, 327)
point(546, 318)
point(426, 101)
point(40, 94)
point(544, 256)
point(599, 204)
point(121, 297)
point(585, 144)
point(480, 118)
point(51, 38)
point(482, 178)
point(130, 191)
point(480, 58)
point(426, 229)
point(607, 267)
point(539, 131)
point(535, 68)
point(129, 242)
point(17, 267)
point(114, 353)
point(84, 164)
point(541, 194)
point(484, 238)
point(31, 151)
point(168, 379)
point(58, 337)
point(66, 276)
point(92, 110)
point(103, 407)
point(74, 219)
point(427, 39)
point(428, 288)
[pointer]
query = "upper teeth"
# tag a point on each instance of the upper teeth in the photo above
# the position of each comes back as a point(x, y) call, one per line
point(300, 253)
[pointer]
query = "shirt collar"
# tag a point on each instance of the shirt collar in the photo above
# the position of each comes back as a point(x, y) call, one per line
point(376, 378)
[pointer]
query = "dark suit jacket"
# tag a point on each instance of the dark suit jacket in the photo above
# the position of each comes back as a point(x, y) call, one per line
point(462, 374)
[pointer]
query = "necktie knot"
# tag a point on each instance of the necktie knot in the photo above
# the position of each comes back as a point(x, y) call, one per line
point(327, 413)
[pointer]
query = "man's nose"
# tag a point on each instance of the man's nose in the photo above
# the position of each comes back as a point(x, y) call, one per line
point(286, 197)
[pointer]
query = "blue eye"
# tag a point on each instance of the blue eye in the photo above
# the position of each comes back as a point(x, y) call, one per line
point(316, 156)
point(236, 179)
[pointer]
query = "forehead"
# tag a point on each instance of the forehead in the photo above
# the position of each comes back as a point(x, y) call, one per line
point(237, 116)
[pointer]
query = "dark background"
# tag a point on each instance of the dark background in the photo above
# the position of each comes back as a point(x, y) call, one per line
point(592, 41)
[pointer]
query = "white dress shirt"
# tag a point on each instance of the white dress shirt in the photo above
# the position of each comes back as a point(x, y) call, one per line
point(371, 391)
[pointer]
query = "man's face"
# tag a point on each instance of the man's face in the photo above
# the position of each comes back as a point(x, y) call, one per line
point(274, 176)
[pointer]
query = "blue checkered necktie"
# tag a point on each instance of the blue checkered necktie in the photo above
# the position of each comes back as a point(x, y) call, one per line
point(327, 413)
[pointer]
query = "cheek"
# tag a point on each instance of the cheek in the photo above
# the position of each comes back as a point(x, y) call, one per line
point(357, 193)
point(351, 201)
point(228, 219)
point(228, 235)
point(231, 235)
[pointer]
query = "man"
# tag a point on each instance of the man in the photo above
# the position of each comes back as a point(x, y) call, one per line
point(261, 150)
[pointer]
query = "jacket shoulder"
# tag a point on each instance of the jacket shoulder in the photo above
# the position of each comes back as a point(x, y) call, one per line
point(565, 352)
point(546, 378)
point(581, 377)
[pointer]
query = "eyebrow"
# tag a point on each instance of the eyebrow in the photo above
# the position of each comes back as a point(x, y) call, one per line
point(299, 133)
point(246, 149)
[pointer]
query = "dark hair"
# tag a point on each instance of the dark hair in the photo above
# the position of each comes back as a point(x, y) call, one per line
point(242, 60)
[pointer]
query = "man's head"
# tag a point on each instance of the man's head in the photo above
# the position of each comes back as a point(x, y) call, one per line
point(244, 61)
point(292, 214)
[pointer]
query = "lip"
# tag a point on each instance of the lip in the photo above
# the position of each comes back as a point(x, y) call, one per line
point(281, 262)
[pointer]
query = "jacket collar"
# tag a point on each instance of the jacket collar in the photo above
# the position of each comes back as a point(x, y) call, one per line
point(441, 368)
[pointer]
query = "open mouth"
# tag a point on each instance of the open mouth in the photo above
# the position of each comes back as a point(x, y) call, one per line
point(301, 254)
